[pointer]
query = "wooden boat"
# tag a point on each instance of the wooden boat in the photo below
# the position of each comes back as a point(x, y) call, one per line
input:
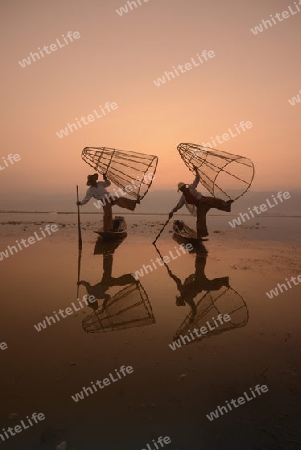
point(186, 233)
point(119, 232)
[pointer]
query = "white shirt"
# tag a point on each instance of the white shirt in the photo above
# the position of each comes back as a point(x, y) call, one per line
point(96, 192)
point(195, 193)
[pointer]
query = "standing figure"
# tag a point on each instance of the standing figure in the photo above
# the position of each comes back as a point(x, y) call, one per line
point(97, 190)
point(198, 204)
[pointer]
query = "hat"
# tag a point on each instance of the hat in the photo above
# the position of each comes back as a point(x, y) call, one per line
point(91, 178)
point(180, 185)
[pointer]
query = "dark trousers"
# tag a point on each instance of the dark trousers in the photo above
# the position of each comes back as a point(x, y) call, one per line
point(107, 211)
point(203, 206)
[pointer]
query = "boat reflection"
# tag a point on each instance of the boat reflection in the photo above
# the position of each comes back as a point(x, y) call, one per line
point(129, 307)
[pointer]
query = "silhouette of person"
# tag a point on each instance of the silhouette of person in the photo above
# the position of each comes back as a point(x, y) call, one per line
point(198, 204)
point(99, 290)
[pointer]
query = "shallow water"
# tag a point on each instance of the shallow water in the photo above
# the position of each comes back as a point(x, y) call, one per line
point(169, 392)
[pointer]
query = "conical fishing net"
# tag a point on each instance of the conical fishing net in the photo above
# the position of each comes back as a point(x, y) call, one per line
point(131, 171)
point(129, 308)
point(224, 175)
point(224, 301)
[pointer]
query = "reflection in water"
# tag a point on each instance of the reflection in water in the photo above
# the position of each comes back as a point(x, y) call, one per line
point(130, 307)
point(219, 298)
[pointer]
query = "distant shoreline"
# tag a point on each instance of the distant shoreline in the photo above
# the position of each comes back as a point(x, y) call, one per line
point(139, 214)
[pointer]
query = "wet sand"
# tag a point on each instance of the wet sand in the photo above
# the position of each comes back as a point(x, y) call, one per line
point(170, 392)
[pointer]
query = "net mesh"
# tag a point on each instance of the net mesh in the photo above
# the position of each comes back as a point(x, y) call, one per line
point(129, 308)
point(224, 301)
point(224, 175)
point(131, 170)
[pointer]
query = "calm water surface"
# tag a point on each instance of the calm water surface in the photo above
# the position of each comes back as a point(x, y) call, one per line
point(169, 392)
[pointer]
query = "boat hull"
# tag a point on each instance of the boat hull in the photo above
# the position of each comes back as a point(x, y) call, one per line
point(111, 234)
point(186, 233)
point(119, 232)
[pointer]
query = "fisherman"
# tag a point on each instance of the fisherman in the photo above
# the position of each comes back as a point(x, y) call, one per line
point(198, 204)
point(98, 191)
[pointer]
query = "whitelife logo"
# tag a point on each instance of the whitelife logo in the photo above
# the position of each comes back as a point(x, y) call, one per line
point(31, 240)
point(53, 48)
point(124, 9)
point(23, 426)
point(102, 384)
point(184, 68)
point(243, 126)
point(259, 209)
point(11, 158)
point(160, 261)
point(161, 441)
point(285, 15)
point(199, 333)
point(295, 100)
point(90, 118)
point(274, 292)
point(241, 401)
point(49, 320)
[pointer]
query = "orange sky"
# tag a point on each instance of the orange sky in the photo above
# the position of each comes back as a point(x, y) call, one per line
point(117, 58)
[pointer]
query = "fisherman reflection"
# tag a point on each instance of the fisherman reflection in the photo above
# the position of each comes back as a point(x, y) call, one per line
point(99, 290)
point(201, 313)
point(197, 282)
point(129, 307)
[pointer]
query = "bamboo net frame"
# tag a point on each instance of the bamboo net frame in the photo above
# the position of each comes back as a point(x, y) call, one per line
point(129, 308)
point(224, 175)
point(212, 303)
point(129, 170)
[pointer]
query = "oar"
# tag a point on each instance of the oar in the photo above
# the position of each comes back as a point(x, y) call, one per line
point(80, 242)
point(162, 229)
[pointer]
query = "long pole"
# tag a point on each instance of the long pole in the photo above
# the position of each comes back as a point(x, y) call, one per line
point(80, 242)
point(162, 229)
point(78, 270)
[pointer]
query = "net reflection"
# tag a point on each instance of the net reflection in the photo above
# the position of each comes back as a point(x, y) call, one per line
point(130, 307)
